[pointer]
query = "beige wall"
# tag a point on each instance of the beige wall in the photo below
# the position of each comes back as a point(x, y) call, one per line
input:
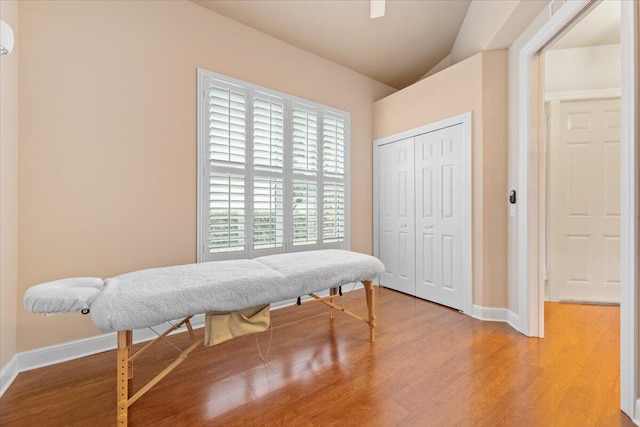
point(477, 84)
point(8, 190)
point(494, 177)
point(582, 68)
point(108, 136)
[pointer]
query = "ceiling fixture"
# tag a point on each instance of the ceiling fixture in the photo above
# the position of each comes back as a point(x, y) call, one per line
point(377, 8)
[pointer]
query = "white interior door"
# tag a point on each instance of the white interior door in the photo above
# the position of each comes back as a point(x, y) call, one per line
point(396, 215)
point(440, 226)
point(584, 201)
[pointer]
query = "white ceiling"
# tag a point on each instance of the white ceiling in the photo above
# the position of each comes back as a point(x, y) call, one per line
point(601, 26)
point(397, 49)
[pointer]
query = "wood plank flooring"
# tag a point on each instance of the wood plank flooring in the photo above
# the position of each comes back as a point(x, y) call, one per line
point(430, 366)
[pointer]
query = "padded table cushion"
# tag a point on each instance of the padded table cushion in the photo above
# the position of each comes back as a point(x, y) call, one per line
point(63, 296)
point(150, 297)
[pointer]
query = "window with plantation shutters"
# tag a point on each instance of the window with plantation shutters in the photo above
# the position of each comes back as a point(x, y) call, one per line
point(273, 171)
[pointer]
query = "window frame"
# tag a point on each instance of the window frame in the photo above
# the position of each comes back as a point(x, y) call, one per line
point(204, 171)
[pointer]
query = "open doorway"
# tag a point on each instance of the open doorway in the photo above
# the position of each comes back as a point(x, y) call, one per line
point(580, 198)
point(526, 293)
point(581, 195)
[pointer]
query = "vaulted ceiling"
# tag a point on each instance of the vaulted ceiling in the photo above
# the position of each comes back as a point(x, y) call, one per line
point(410, 39)
point(397, 49)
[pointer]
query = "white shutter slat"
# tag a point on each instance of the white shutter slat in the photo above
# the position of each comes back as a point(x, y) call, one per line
point(305, 212)
point(333, 212)
point(305, 140)
point(226, 213)
point(227, 128)
point(268, 133)
point(268, 214)
point(333, 145)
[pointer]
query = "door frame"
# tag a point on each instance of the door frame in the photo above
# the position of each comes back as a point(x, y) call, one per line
point(465, 119)
point(530, 295)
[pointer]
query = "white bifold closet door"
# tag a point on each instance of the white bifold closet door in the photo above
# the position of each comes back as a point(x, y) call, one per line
point(439, 204)
point(396, 215)
point(421, 196)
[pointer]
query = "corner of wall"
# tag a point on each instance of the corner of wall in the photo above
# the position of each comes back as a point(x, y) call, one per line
point(495, 177)
point(8, 194)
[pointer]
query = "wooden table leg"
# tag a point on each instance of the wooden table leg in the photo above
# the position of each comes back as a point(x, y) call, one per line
point(122, 383)
point(371, 305)
point(130, 353)
point(332, 292)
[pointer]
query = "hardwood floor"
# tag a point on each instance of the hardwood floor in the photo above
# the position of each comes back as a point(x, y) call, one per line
point(430, 366)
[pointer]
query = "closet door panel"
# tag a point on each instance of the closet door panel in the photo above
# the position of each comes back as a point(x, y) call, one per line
point(451, 220)
point(386, 212)
point(428, 253)
point(439, 220)
point(396, 215)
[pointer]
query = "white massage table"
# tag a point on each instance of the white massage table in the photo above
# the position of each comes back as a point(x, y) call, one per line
point(151, 297)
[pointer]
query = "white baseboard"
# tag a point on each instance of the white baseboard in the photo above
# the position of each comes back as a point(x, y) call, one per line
point(8, 374)
point(513, 320)
point(58, 353)
point(492, 314)
point(636, 420)
point(51, 355)
point(489, 313)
